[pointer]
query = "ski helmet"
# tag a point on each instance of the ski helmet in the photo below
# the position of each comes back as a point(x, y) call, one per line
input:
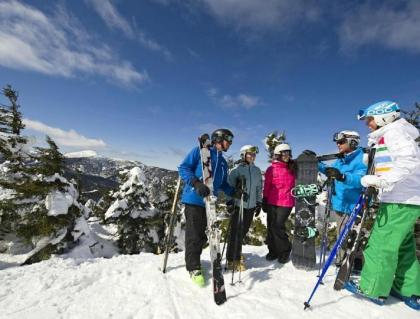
point(220, 135)
point(248, 149)
point(281, 148)
point(383, 113)
point(350, 137)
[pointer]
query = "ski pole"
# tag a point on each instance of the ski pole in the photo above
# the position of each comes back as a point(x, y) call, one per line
point(238, 227)
point(168, 239)
point(337, 245)
point(324, 242)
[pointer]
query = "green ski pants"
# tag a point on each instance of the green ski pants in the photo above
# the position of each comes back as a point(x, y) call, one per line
point(390, 255)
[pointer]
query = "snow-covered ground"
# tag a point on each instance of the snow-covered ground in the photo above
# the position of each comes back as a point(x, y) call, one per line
point(134, 287)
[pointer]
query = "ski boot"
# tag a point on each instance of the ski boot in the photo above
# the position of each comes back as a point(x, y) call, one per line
point(413, 301)
point(271, 256)
point(354, 288)
point(198, 277)
point(284, 258)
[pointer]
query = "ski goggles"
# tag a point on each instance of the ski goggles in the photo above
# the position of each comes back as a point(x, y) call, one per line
point(338, 137)
point(228, 138)
point(253, 149)
point(286, 153)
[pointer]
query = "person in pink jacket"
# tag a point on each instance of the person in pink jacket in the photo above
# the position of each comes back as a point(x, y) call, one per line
point(278, 202)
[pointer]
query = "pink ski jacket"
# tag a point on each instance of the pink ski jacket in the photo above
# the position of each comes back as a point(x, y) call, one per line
point(278, 183)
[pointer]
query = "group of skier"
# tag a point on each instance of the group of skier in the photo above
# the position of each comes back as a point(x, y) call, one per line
point(390, 262)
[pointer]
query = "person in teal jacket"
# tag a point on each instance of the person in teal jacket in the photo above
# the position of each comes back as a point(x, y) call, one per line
point(346, 172)
point(248, 173)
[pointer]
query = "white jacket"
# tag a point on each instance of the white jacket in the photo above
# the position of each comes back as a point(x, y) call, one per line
point(397, 162)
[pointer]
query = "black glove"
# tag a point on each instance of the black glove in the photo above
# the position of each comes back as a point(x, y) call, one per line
point(309, 152)
point(264, 205)
point(230, 206)
point(239, 193)
point(258, 209)
point(334, 173)
point(371, 192)
point(201, 189)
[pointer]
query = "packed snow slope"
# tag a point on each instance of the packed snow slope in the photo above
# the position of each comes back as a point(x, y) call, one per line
point(134, 287)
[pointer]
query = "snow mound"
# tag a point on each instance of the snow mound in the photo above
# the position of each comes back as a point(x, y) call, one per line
point(132, 286)
point(87, 153)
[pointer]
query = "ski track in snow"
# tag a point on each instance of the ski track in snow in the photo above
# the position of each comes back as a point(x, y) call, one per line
point(132, 287)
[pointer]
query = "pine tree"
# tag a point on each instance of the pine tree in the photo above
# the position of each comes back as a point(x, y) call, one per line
point(140, 226)
point(41, 208)
point(272, 140)
point(413, 117)
point(14, 177)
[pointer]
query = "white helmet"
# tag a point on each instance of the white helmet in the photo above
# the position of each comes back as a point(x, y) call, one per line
point(281, 148)
point(249, 149)
point(351, 137)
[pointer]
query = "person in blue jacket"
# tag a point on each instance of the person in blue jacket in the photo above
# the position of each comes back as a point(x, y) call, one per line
point(346, 172)
point(195, 190)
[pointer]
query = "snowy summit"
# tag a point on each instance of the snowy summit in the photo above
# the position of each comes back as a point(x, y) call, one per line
point(87, 153)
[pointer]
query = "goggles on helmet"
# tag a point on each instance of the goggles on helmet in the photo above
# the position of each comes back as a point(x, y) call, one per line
point(253, 149)
point(228, 138)
point(341, 136)
point(364, 113)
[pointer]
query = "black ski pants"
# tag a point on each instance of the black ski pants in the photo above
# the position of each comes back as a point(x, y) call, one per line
point(234, 247)
point(278, 242)
point(195, 235)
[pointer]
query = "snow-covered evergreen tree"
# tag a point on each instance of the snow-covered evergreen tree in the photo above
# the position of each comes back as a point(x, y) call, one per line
point(139, 224)
point(39, 208)
point(272, 140)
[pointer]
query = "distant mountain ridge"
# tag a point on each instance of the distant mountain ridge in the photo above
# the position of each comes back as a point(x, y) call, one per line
point(98, 175)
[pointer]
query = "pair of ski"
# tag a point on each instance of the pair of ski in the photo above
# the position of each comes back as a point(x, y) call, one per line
point(213, 231)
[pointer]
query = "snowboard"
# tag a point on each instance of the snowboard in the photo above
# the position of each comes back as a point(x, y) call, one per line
point(303, 254)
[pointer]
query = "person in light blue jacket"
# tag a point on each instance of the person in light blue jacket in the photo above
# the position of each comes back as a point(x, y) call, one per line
point(248, 174)
point(346, 172)
point(195, 190)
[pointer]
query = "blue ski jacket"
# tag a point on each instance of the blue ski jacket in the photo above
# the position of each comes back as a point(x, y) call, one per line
point(190, 169)
point(348, 191)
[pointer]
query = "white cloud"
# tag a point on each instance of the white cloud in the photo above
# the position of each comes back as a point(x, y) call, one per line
point(57, 45)
point(239, 101)
point(114, 20)
point(255, 15)
point(388, 24)
point(64, 138)
point(271, 14)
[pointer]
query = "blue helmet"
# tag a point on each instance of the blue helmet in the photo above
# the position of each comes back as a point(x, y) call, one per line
point(383, 113)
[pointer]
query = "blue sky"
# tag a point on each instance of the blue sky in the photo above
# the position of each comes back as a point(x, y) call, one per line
point(142, 79)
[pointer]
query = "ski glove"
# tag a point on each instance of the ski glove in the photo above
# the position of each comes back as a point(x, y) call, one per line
point(374, 181)
point(309, 152)
point(264, 205)
point(201, 189)
point(334, 173)
point(258, 209)
point(238, 194)
point(230, 206)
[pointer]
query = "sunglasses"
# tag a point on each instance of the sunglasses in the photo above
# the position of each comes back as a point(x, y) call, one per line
point(284, 153)
point(341, 141)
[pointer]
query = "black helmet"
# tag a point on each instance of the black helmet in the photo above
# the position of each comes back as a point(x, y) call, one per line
point(220, 135)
